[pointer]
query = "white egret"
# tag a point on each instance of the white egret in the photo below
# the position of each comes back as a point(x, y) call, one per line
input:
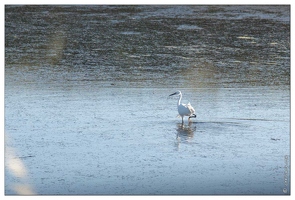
point(184, 109)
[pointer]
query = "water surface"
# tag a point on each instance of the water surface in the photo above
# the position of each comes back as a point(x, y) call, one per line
point(87, 108)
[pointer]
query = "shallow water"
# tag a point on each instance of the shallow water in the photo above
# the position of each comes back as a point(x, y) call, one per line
point(87, 108)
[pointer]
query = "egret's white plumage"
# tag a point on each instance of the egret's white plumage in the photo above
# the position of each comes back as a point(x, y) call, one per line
point(184, 109)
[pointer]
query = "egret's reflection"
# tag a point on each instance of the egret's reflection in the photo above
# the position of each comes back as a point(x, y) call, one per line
point(185, 133)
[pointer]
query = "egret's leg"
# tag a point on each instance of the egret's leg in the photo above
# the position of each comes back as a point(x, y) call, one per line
point(182, 119)
point(192, 116)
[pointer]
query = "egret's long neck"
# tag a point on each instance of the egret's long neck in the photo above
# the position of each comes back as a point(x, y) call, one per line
point(180, 96)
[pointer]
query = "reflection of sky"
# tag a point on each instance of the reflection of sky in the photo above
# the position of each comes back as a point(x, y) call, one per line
point(130, 136)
